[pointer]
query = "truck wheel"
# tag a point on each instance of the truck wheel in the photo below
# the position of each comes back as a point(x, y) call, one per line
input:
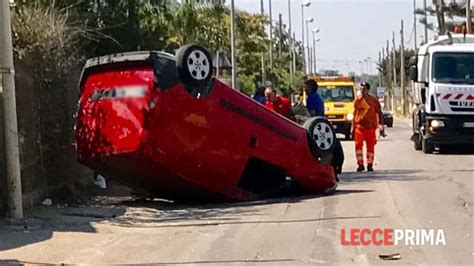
point(194, 66)
point(427, 146)
point(322, 138)
point(417, 143)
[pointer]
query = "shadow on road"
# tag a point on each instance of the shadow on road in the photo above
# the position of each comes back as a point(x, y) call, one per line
point(212, 262)
point(124, 211)
point(220, 222)
point(456, 150)
point(394, 175)
point(41, 222)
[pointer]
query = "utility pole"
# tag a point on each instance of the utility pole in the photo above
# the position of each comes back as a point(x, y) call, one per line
point(382, 66)
point(280, 33)
point(218, 62)
point(294, 52)
point(290, 44)
point(313, 58)
point(262, 13)
point(426, 21)
point(302, 38)
point(380, 72)
point(414, 23)
point(303, 5)
point(233, 50)
point(310, 60)
point(390, 84)
point(263, 70)
point(402, 70)
point(271, 34)
point(309, 52)
point(10, 127)
point(468, 16)
point(394, 59)
point(440, 15)
point(394, 66)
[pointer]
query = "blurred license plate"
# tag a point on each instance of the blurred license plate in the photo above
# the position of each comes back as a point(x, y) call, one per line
point(468, 124)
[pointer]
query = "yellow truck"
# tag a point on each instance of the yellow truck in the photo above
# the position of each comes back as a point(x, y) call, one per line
point(339, 95)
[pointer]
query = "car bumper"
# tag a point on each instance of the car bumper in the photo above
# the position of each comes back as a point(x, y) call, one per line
point(455, 131)
point(343, 127)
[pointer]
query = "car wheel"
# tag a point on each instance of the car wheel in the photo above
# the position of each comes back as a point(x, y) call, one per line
point(322, 138)
point(338, 158)
point(348, 136)
point(427, 146)
point(194, 66)
point(390, 124)
point(417, 143)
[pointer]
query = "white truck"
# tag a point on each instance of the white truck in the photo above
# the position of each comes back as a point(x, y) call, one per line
point(443, 75)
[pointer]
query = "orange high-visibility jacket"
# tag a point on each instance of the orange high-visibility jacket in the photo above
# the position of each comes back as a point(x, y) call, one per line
point(366, 112)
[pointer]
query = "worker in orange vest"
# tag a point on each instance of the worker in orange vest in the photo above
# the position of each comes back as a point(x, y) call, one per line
point(367, 118)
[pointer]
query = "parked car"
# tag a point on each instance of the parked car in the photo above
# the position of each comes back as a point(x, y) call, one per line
point(387, 118)
point(160, 122)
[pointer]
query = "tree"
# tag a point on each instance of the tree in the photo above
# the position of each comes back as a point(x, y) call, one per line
point(115, 26)
point(455, 11)
point(385, 67)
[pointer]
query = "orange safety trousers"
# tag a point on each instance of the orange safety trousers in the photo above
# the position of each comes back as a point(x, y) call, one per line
point(368, 136)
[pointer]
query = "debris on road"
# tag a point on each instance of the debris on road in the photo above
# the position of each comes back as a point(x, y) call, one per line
point(47, 202)
point(101, 182)
point(395, 256)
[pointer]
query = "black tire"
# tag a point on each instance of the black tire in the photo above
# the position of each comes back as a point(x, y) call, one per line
point(321, 138)
point(390, 125)
point(417, 143)
point(427, 146)
point(348, 136)
point(194, 65)
point(338, 158)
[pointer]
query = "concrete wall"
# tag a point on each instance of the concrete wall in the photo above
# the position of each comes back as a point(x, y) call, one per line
point(45, 125)
point(3, 181)
point(46, 122)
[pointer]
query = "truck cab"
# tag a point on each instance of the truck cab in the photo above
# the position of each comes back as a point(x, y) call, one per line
point(338, 93)
point(443, 75)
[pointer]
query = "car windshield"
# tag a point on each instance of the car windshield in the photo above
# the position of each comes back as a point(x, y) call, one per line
point(457, 68)
point(337, 94)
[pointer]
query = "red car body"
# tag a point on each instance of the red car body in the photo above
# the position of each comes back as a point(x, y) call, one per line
point(138, 124)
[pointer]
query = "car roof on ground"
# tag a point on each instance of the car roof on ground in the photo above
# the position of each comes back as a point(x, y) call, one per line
point(123, 57)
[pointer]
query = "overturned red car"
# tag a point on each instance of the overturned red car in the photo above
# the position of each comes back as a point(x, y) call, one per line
point(160, 122)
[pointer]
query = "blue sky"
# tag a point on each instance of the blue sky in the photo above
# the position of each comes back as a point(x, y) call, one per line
point(350, 30)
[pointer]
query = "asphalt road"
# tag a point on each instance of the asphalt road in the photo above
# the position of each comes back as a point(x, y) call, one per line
point(409, 190)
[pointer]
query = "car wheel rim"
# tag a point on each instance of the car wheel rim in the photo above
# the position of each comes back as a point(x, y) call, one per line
point(198, 65)
point(323, 136)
